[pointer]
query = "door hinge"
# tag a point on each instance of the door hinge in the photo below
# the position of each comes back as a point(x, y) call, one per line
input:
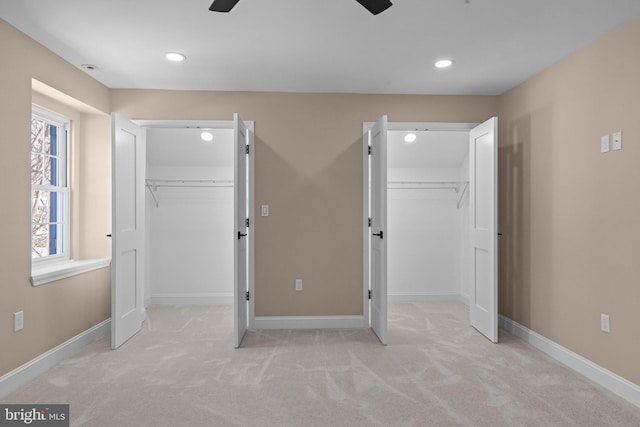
point(247, 222)
point(248, 149)
point(369, 293)
point(247, 296)
point(369, 222)
point(369, 150)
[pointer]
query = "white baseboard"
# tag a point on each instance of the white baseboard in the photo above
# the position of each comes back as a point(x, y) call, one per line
point(607, 379)
point(310, 322)
point(425, 296)
point(25, 373)
point(191, 299)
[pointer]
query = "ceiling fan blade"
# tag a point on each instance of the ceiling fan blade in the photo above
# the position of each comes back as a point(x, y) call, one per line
point(375, 6)
point(222, 5)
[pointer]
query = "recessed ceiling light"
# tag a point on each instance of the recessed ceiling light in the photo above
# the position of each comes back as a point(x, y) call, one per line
point(206, 136)
point(175, 56)
point(410, 137)
point(443, 63)
point(90, 67)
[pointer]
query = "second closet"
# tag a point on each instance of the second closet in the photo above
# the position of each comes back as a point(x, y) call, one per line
point(428, 215)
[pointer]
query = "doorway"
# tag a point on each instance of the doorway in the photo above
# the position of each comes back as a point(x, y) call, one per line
point(189, 216)
point(181, 221)
point(430, 217)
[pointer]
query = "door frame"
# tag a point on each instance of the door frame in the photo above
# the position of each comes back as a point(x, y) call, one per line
point(226, 124)
point(395, 126)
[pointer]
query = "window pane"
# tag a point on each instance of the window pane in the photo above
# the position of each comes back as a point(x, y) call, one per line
point(44, 170)
point(38, 128)
point(47, 240)
point(45, 149)
point(48, 214)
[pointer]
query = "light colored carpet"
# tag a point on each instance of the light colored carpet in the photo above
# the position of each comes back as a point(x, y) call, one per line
point(181, 370)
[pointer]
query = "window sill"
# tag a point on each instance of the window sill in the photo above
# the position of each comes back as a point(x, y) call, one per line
point(61, 270)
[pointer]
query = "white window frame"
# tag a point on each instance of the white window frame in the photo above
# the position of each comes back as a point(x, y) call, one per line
point(63, 156)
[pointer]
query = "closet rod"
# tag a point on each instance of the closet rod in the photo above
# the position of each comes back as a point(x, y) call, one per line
point(188, 181)
point(192, 183)
point(433, 185)
point(154, 186)
point(459, 187)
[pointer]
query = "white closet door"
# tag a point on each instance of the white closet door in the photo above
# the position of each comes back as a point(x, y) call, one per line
point(483, 199)
point(379, 229)
point(127, 259)
point(240, 230)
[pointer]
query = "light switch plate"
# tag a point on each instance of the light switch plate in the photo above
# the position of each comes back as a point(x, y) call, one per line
point(264, 209)
point(18, 321)
point(617, 141)
point(298, 284)
point(604, 144)
point(605, 326)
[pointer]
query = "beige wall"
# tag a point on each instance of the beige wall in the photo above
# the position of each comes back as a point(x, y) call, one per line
point(571, 215)
point(308, 169)
point(57, 311)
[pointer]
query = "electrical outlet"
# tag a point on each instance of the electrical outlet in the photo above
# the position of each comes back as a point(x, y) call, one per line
point(298, 284)
point(604, 323)
point(617, 141)
point(18, 321)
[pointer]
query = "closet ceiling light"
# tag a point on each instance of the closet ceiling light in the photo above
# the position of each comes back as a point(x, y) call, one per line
point(443, 63)
point(175, 56)
point(410, 138)
point(206, 136)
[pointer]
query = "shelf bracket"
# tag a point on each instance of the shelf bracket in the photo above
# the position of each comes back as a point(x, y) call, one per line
point(153, 195)
point(462, 193)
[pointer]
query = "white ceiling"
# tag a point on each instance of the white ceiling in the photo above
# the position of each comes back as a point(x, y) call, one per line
point(317, 45)
point(431, 149)
point(184, 147)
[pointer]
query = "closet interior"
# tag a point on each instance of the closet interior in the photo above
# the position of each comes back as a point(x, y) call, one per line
point(428, 215)
point(189, 216)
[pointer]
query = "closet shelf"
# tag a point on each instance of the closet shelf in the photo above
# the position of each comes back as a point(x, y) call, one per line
point(460, 187)
point(154, 184)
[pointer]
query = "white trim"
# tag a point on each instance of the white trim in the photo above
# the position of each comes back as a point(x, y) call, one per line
point(425, 126)
point(252, 225)
point(607, 379)
point(25, 373)
point(176, 124)
point(365, 223)
point(192, 299)
point(63, 247)
point(310, 322)
point(46, 273)
point(426, 296)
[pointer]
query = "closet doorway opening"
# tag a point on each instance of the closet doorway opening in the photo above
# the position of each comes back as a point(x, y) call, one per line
point(182, 233)
point(189, 216)
point(430, 228)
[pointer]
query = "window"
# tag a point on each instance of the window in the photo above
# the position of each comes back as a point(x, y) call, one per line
point(49, 190)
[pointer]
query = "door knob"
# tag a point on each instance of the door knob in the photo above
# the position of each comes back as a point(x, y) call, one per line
point(240, 235)
point(380, 234)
